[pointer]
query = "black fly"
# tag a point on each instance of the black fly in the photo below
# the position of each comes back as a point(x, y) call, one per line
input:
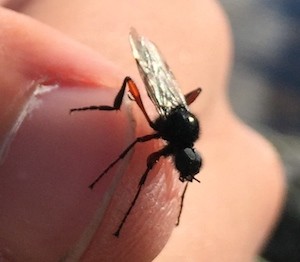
point(175, 123)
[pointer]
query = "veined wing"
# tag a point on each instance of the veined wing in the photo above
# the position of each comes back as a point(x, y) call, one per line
point(158, 79)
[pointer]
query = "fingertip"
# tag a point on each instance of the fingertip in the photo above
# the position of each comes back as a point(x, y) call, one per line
point(52, 157)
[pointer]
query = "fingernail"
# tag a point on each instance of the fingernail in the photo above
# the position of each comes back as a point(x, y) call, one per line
point(50, 160)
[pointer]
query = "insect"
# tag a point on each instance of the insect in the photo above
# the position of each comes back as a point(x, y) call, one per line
point(175, 124)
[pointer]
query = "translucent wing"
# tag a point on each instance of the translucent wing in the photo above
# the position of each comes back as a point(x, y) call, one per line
point(159, 81)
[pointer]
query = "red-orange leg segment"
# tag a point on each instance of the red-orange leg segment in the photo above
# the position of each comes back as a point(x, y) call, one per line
point(137, 98)
point(191, 96)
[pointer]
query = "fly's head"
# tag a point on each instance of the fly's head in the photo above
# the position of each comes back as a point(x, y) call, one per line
point(188, 162)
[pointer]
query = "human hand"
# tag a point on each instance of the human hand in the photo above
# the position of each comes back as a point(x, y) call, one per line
point(48, 211)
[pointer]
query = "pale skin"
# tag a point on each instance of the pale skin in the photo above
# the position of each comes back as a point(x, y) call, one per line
point(227, 217)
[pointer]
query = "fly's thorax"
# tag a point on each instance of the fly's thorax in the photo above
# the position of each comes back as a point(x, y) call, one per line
point(180, 127)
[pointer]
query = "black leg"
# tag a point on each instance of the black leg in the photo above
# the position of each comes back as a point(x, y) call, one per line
point(117, 102)
point(181, 203)
point(142, 181)
point(141, 139)
point(151, 161)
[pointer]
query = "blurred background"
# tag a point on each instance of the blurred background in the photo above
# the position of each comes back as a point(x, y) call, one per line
point(265, 93)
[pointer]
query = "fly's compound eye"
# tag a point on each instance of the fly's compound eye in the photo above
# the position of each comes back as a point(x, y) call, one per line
point(188, 162)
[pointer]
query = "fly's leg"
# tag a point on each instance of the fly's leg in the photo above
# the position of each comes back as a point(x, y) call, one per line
point(191, 96)
point(141, 139)
point(181, 203)
point(134, 91)
point(117, 102)
point(151, 161)
point(136, 96)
